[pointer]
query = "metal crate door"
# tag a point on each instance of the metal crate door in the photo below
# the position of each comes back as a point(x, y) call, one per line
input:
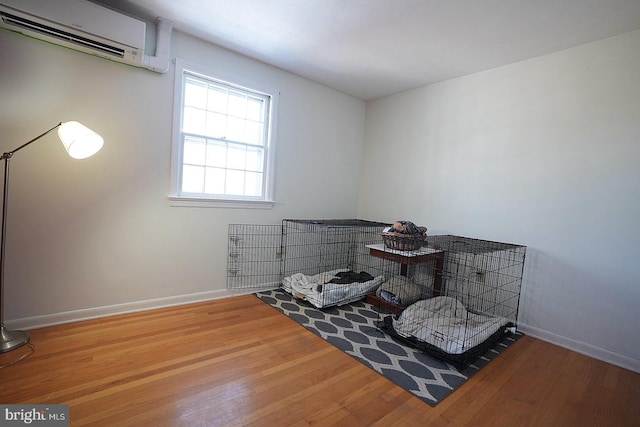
point(255, 256)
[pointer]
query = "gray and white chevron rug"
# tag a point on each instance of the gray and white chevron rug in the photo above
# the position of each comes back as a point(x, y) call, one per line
point(352, 329)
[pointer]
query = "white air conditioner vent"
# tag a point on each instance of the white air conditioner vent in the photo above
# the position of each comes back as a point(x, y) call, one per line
point(80, 25)
point(64, 36)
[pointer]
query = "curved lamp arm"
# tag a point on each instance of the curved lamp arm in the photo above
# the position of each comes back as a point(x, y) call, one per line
point(79, 141)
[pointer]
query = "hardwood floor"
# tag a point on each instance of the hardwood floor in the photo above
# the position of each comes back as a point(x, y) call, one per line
point(240, 362)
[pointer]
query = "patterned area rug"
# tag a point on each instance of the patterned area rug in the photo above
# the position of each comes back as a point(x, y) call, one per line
point(352, 329)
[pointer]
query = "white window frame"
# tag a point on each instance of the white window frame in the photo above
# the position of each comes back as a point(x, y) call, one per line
point(176, 196)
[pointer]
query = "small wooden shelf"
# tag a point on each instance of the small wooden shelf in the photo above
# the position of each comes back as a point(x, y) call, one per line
point(406, 258)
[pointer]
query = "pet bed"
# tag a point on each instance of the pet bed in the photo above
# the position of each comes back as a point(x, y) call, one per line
point(334, 287)
point(443, 326)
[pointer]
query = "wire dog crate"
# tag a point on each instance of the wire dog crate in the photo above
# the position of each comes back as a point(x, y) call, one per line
point(300, 254)
point(254, 257)
point(485, 276)
point(316, 246)
point(454, 297)
point(477, 300)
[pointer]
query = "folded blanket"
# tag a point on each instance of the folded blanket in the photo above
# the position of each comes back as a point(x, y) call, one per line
point(351, 277)
point(320, 291)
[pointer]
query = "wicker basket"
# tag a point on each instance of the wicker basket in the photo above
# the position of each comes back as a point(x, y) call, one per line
point(402, 242)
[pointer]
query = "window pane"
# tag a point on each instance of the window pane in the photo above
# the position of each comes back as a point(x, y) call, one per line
point(214, 183)
point(216, 125)
point(235, 129)
point(255, 159)
point(193, 120)
point(237, 105)
point(236, 156)
point(253, 133)
point(192, 179)
point(254, 109)
point(195, 93)
point(235, 183)
point(253, 184)
point(194, 151)
point(217, 154)
point(217, 100)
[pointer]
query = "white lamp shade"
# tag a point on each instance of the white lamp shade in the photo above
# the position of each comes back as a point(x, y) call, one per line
point(79, 141)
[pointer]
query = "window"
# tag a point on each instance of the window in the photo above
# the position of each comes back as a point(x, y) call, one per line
point(223, 142)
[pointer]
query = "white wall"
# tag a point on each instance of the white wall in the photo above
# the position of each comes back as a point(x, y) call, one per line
point(98, 236)
point(543, 153)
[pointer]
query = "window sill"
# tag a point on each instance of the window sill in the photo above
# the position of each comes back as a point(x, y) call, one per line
point(201, 202)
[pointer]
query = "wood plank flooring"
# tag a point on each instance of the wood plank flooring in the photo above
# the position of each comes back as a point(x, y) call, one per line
point(238, 361)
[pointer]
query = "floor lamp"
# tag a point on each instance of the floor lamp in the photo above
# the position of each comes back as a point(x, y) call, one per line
point(80, 142)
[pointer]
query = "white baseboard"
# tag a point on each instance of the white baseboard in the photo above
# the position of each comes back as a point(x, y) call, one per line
point(34, 322)
point(582, 348)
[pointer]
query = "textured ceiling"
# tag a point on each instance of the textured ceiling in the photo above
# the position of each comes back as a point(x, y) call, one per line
point(373, 48)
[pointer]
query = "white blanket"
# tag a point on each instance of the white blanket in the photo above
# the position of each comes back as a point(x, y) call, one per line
point(445, 323)
point(317, 291)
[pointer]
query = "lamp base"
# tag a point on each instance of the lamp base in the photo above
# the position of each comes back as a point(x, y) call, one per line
point(10, 340)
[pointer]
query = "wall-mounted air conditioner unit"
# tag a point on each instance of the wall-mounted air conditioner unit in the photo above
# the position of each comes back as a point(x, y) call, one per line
point(78, 24)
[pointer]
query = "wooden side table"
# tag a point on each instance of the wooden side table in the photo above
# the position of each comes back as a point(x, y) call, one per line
point(407, 258)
